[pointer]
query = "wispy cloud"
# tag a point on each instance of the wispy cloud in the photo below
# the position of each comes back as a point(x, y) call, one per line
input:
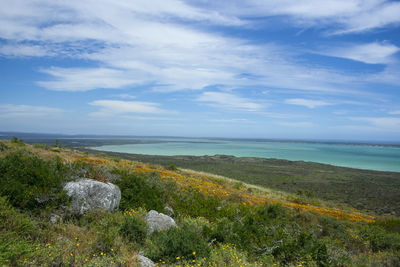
point(84, 79)
point(394, 112)
point(11, 111)
point(125, 96)
point(307, 102)
point(20, 50)
point(371, 53)
point(229, 101)
point(113, 107)
point(345, 15)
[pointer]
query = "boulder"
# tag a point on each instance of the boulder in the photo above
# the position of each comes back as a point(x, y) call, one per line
point(88, 194)
point(145, 262)
point(158, 221)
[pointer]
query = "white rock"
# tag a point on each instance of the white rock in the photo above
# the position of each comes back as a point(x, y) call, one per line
point(158, 221)
point(88, 194)
point(145, 262)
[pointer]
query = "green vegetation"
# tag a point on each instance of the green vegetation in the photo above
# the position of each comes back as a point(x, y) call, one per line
point(146, 191)
point(212, 230)
point(134, 229)
point(374, 191)
point(30, 182)
point(185, 242)
point(17, 140)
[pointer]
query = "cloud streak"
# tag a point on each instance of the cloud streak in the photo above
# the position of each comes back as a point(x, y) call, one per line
point(115, 107)
point(11, 111)
point(370, 53)
point(229, 101)
point(307, 102)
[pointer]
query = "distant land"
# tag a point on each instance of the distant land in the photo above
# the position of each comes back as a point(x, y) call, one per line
point(79, 140)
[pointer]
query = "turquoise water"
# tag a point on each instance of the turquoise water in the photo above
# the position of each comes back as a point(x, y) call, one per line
point(381, 158)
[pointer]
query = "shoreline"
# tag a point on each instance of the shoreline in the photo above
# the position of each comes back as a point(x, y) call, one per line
point(326, 162)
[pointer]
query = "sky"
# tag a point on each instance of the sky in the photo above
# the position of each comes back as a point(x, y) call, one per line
point(304, 69)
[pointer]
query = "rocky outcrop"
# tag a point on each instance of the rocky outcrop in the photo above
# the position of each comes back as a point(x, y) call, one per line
point(88, 194)
point(145, 262)
point(158, 221)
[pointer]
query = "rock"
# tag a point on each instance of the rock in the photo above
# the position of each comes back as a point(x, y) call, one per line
point(88, 194)
point(54, 218)
point(145, 262)
point(158, 221)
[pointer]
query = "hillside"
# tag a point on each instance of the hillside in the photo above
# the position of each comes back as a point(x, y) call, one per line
point(372, 191)
point(221, 221)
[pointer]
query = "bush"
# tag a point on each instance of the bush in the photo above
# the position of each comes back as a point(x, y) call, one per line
point(390, 224)
point(196, 204)
point(107, 226)
point(17, 140)
point(3, 147)
point(146, 191)
point(134, 229)
point(171, 167)
point(380, 239)
point(16, 233)
point(30, 182)
point(185, 242)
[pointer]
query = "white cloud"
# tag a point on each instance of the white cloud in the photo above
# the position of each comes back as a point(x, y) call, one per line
point(394, 112)
point(85, 79)
point(125, 96)
point(372, 53)
point(161, 43)
point(113, 107)
point(229, 101)
point(307, 102)
point(346, 15)
point(145, 42)
point(24, 51)
point(11, 111)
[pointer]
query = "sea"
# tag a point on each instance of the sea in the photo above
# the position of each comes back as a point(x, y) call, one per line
point(361, 156)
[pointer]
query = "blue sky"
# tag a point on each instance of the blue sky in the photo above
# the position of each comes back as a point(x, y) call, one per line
point(263, 69)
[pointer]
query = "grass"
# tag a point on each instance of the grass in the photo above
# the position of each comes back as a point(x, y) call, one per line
point(221, 221)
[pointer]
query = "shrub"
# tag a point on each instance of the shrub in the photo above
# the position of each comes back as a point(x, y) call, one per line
point(171, 167)
point(15, 139)
point(13, 248)
point(16, 233)
point(196, 204)
point(185, 242)
point(380, 239)
point(30, 182)
point(134, 229)
point(3, 147)
point(147, 191)
point(107, 226)
point(390, 224)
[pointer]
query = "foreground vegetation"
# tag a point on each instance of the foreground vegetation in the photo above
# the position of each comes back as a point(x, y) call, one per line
point(371, 191)
point(221, 222)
